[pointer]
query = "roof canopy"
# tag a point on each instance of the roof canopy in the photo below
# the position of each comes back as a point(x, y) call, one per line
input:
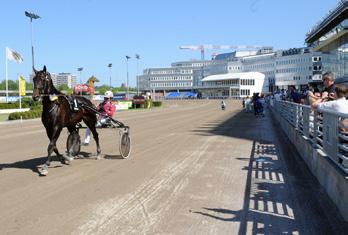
point(230, 76)
point(334, 17)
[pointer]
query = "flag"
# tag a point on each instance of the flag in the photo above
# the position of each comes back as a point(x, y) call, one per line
point(13, 55)
point(22, 85)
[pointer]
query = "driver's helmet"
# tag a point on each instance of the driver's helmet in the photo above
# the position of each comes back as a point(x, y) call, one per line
point(108, 94)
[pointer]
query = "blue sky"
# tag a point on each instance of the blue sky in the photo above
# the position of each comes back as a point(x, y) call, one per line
point(94, 33)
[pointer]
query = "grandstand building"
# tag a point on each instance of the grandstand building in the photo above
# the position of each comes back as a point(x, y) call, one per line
point(327, 50)
point(330, 37)
point(177, 78)
point(283, 68)
point(68, 79)
point(59, 79)
point(234, 85)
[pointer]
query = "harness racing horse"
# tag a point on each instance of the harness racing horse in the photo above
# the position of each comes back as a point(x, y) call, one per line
point(57, 114)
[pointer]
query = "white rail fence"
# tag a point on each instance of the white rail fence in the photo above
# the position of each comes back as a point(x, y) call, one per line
point(326, 130)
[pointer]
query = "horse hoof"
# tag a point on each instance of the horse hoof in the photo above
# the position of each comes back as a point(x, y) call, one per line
point(68, 158)
point(43, 172)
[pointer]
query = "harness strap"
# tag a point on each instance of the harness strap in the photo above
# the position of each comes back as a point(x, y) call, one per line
point(55, 104)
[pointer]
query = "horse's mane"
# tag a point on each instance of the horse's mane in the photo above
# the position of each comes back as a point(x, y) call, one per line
point(55, 91)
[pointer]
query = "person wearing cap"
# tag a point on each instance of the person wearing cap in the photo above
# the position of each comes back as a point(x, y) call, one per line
point(107, 109)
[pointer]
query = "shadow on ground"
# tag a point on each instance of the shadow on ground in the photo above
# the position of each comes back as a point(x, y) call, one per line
point(281, 195)
point(30, 164)
point(35, 163)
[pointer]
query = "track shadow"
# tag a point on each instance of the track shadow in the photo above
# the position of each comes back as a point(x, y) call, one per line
point(113, 157)
point(281, 196)
point(85, 155)
point(30, 164)
point(35, 163)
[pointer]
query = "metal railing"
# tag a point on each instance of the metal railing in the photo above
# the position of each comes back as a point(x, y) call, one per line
point(326, 130)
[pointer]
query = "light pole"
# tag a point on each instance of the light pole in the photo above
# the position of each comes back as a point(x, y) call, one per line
point(32, 16)
point(80, 70)
point(127, 58)
point(137, 56)
point(110, 66)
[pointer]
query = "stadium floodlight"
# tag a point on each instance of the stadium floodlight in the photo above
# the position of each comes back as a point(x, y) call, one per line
point(127, 58)
point(80, 70)
point(137, 56)
point(32, 16)
point(110, 66)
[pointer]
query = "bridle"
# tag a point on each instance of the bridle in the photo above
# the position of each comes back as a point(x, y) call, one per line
point(42, 89)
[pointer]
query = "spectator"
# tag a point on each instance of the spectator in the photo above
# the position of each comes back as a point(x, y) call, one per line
point(312, 95)
point(278, 96)
point(294, 95)
point(248, 104)
point(328, 80)
point(338, 100)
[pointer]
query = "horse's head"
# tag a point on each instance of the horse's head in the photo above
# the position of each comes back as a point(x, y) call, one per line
point(42, 83)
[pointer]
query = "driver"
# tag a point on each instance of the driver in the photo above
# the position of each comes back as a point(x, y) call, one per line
point(223, 104)
point(107, 109)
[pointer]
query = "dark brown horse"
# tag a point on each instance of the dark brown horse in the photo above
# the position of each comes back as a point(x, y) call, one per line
point(57, 114)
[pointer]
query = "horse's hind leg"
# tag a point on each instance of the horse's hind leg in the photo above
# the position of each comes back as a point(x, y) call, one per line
point(90, 122)
point(96, 138)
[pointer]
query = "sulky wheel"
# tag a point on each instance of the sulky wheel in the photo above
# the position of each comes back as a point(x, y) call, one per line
point(125, 143)
point(73, 144)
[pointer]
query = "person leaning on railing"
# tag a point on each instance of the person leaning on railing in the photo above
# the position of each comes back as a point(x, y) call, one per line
point(312, 95)
point(329, 84)
point(337, 103)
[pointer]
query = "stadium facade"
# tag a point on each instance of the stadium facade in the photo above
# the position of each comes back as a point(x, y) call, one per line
point(281, 69)
point(59, 79)
point(330, 37)
point(237, 74)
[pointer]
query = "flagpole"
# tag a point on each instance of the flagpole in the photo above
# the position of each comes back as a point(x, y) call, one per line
point(20, 97)
point(6, 76)
point(19, 92)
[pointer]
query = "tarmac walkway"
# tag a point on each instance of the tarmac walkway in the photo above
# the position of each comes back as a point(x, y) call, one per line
point(281, 195)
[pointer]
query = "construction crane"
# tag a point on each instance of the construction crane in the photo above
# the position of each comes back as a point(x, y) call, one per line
point(202, 48)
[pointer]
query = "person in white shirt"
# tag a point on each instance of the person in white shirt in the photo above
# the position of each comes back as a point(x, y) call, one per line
point(339, 102)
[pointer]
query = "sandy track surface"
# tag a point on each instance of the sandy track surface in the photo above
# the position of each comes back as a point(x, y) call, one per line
point(194, 169)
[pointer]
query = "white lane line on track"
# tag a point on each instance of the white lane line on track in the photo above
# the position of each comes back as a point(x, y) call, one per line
point(139, 211)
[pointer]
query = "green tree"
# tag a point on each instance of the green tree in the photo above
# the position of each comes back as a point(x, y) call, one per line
point(63, 87)
point(12, 85)
point(29, 86)
point(101, 89)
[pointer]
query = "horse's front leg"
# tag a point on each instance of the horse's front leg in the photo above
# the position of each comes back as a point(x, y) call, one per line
point(49, 133)
point(51, 147)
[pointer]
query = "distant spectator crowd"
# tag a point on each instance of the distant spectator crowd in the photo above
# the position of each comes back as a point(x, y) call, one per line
point(332, 97)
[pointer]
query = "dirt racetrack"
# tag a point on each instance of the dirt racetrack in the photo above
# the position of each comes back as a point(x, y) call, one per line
point(194, 169)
